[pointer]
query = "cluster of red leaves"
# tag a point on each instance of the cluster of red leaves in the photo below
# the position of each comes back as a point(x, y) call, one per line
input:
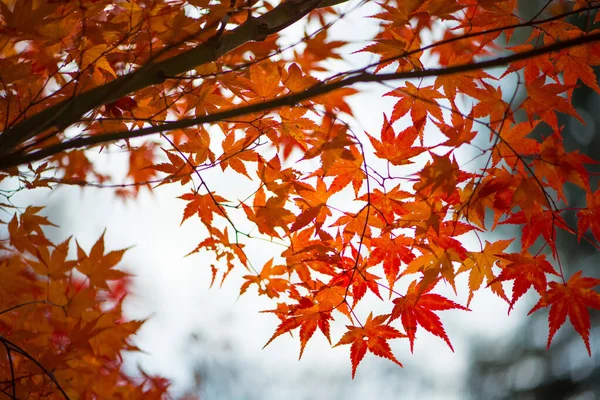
point(391, 228)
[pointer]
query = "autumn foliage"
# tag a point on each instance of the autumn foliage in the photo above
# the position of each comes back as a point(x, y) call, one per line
point(187, 89)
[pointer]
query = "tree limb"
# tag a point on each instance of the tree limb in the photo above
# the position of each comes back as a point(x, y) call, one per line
point(69, 111)
point(288, 100)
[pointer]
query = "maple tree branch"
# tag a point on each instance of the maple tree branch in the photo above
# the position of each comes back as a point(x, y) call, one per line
point(532, 23)
point(10, 346)
point(70, 110)
point(28, 304)
point(319, 89)
point(331, 3)
point(13, 383)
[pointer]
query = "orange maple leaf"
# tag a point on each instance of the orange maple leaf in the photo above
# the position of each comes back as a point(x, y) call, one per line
point(480, 265)
point(420, 101)
point(54, 265)
point(307, 315)
point(205, 205)
point(269, 214)
point(273, 286)
point(396, 149)
point(178, 168)
point(392, 251)
point(97, 266)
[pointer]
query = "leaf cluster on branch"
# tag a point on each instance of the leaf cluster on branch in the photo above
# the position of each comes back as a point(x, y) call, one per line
point(192, 88)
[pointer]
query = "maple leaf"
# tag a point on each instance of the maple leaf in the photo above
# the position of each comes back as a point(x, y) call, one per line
point(140, 165)
point(558, 167)
point(495, 192)
point(439, 175)
point(347, 170)
point(178, 169)
point(372, 336)
point(318, 49)
point(313, 204)
point(26, 231)
point(416, 308)
point(530, 196)
point(265, 79)
point(538, 223)
point(526, 271)
point(294, 125)
point(480, 265)
point(97, 266)
point(308, 316)
point(572, 298)
point(544, 100)
point(358, 224)
point(532, 67)
point(590, 217)
point(576, 65)
point(388, 203)
point(15, 281)
point(396, 149)
point(459, 133)
point(269, 213)
point(420, 101)
point(198, 143)
point(423, 216)
point(392, 251)
point(397, 44)
point(514, 142)
point(110, 338)
point(440, 8)
point(295, 81)
point(235, 152)
point(490, 103)
point(275, 178)
point(465, 84)
point(205, 205)
point(55, 264)
point(359, 279)
point(273, 287)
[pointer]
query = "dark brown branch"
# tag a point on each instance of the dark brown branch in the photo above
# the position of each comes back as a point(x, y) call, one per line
point(289, 100)
point(28, 304)
point(10, 346)
point(13, 383)
point(69, 111)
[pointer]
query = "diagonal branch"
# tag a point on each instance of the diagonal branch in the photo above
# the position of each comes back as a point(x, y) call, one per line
point(10, 346)
point(319, 89)
point(69, 111)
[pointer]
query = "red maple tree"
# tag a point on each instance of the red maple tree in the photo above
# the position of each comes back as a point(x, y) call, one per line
point(186, 87)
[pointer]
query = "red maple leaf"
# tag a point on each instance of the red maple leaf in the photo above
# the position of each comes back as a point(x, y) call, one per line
point(526, 270)
point(572, 298)
point(416, 308)
point(373, 336)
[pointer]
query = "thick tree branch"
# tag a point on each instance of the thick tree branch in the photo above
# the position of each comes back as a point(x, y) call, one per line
point(288, 100)
point(69, 111)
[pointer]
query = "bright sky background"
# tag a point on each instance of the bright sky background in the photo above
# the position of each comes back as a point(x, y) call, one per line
point(172, 291)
